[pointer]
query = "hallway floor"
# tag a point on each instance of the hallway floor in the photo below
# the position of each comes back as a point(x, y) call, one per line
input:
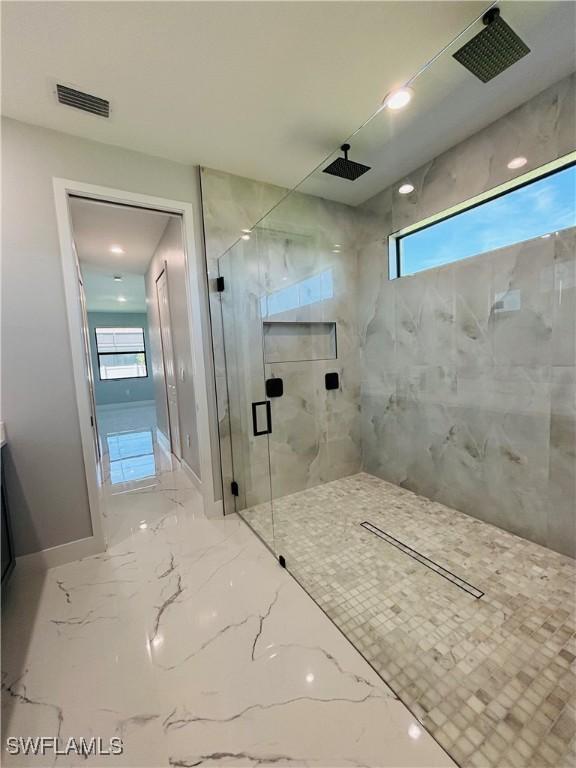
point(190, 642)
point(492, 676)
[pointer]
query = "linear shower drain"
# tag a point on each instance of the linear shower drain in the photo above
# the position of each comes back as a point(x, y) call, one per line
point(456, 580)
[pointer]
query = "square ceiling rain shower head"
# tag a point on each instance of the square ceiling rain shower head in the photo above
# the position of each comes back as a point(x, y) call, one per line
point(344, 168)
point(493, 50)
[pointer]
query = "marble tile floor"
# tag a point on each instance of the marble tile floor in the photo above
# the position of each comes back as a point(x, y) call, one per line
point(131, 456)
point(493, 679)
point(189, 641)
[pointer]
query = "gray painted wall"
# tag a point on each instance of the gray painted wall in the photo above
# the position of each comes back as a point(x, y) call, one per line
point(122, 390)
point(45, 470)
point(170, 252)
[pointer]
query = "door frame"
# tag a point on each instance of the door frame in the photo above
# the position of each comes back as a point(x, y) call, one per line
point(89, 368)
point(164, 271)
point(195, 269)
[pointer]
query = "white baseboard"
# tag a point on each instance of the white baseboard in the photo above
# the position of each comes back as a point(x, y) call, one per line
point(60, 555)
point(214, 509)
point(163, 441)
point(192, 475)
point(123, 406)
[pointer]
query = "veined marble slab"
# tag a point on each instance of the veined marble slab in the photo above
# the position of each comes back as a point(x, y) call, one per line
point(187, 640)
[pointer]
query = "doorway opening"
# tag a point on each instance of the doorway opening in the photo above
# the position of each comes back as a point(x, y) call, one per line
point(129, 434)
point(137, 342)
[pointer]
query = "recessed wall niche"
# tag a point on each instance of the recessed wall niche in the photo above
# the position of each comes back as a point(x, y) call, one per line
point(293, 342)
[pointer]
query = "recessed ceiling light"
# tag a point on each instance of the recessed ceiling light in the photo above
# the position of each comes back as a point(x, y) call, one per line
point(405, 189)
point(118, 278)
point(245, 237)
point(116, 249)
point(335, 250)
point(246, 231)
point(399, 98)
point(121, 298)
point(517, 162)
point(336, 245)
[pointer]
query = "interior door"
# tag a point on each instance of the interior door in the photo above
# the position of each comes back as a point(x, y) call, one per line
point(245, 429)
point(169, 365)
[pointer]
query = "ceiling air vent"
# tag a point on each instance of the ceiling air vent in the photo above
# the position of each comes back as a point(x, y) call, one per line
point(84, 101)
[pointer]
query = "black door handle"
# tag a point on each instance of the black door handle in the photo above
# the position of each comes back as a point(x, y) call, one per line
point(255, 418)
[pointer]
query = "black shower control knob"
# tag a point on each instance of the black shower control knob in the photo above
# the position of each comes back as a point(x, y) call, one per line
point(332, 381)
point(274, 387)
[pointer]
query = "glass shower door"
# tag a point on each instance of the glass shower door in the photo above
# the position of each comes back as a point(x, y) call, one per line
point(249, 417)
point(311, 364)
point(292, 365)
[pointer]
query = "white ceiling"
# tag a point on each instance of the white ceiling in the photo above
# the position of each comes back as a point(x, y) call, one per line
point(98, 226)
point(104, 294)
point(450, 104)
point(261, 89)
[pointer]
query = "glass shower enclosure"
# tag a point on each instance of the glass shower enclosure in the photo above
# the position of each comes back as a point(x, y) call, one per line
point(291, 340)
point(399, 437)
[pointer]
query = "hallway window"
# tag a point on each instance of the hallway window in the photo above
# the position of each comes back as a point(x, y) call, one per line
point(538, 207)
point(121, 353)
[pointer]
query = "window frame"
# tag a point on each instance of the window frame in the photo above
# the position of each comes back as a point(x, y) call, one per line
point(124, 352)
point(537, 174)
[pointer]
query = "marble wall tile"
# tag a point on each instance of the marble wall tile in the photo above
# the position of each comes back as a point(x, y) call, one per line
point(475, 429)
point(372, 281)
point(542, 129)
point(425, 315)
point(300, 265)
point(515, 472)
point(385, 442)
point(315, 437)
point(448, 377)
point(505, 389)
point(563, 350)
point(473, 311)
point(563, 116)
point(464, 366)
point(521, 314)
point(562, 480)
point(230, 204)
point(242, 322)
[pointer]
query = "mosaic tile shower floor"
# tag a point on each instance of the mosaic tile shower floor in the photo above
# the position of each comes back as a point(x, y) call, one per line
point(493, 679)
